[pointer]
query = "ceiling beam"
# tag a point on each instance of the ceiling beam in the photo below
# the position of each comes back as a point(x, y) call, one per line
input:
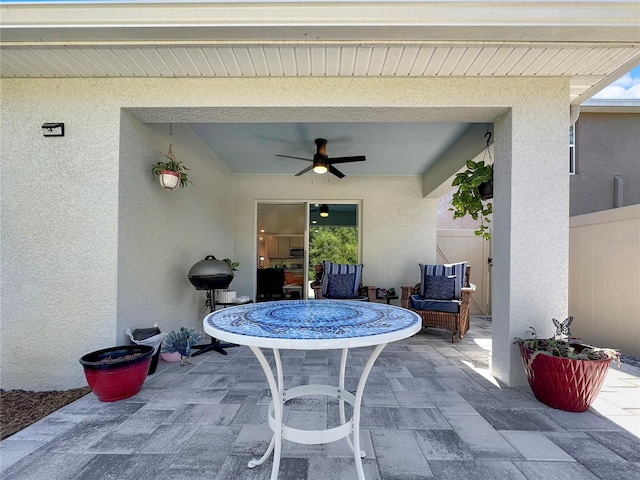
point(436, 181)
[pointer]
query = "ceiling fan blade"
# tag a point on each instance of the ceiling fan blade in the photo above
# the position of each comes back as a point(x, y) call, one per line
point(301, 172)
point(296, 158)
point(336, 172)
point(359, 158)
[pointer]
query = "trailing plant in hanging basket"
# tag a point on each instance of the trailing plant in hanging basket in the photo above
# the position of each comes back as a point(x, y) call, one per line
point(172, 165)
point(468, 200)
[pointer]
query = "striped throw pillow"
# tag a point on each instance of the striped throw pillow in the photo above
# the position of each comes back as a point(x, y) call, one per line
point(450, 270)
point(331, 268)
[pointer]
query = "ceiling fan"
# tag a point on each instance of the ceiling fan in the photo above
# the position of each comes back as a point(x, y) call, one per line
point(321, 163)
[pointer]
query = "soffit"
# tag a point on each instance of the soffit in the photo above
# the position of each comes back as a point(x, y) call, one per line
point(595, 44)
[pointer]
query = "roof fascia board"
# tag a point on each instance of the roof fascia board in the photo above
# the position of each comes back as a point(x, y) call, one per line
point(525, 21)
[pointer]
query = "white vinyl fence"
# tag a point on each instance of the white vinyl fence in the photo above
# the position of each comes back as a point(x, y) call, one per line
point(604, 278)
point(463, 245)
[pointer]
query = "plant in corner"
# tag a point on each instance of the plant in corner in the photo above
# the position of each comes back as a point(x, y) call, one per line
point(234, 265)
point(562, 372)
point(470, 198)
point(226, 295)
point(171, 173)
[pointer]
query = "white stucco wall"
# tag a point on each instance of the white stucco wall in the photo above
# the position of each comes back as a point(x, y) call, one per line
point(530, 226)
point(64, 290)
point(59, 232)
point(162, 233)
point(398, 224)
point(91, 244)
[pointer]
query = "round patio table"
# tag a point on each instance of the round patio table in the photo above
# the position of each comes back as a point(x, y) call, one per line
point(312, 325)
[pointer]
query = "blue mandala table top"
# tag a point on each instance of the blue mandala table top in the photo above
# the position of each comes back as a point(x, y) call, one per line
point(312, 324)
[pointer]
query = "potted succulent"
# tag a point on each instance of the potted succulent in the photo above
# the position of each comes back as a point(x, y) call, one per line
point(171, 173)
point(180, 343)
point(475, 187)
point(226, 295)
point(117, 372)
point(563, 372)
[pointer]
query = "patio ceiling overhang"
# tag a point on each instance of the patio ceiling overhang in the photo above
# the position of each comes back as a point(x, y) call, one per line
point(592, 42)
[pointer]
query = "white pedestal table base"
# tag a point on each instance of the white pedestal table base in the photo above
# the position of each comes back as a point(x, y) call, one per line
point(312, 437)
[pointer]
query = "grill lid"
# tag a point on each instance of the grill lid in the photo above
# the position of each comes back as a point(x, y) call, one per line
point(210, 274)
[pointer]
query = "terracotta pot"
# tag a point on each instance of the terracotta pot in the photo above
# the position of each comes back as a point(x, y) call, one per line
point(120, 377)
point(564, 383)
point(169, 179)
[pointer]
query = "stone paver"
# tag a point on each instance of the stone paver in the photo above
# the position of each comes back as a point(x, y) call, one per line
point(431, 410)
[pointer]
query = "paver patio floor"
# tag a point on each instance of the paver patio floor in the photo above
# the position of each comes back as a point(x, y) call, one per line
point(430, 410)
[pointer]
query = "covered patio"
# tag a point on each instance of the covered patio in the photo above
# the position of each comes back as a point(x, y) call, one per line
point(431, 410)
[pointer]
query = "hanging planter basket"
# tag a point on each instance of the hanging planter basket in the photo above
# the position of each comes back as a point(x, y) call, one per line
point(564, 383)
point(168, 179)
point(486, 190)
point(171, 173)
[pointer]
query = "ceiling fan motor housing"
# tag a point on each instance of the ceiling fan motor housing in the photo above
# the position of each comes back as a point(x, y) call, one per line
point(321, 144)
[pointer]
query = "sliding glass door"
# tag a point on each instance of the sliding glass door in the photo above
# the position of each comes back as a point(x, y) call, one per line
point(294, 237)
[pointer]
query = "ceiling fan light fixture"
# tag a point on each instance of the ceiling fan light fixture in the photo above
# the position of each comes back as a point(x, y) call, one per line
point(324, 210)
point(319, 166)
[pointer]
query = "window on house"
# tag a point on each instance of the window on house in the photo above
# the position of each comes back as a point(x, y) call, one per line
point(572, 151)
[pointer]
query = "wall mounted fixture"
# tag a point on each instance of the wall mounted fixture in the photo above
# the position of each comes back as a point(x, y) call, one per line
point(53, 129)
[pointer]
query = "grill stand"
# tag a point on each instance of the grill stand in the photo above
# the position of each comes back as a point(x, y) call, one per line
point(215, 345)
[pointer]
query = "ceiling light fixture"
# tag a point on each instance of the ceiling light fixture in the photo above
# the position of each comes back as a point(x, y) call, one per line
point(319, 165)
point(324, 210)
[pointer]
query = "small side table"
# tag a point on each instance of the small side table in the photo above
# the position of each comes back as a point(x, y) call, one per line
point(388, 298)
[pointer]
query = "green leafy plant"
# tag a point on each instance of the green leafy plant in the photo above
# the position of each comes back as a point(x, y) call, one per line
point(172, 165)
point(467, 200)
point(564, 348)
point(234, 265)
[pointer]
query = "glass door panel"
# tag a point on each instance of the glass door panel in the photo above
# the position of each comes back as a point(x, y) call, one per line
point(333, 235)
point(280, 249)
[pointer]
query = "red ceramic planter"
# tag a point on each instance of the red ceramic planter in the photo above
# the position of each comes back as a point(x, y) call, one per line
point(119, 378)
point(564, 383)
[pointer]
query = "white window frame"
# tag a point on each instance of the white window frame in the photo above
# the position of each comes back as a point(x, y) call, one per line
point(572, 150)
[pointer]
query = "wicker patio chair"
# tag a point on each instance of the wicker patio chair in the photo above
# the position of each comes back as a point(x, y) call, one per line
point(321, 288)
point(456, 322)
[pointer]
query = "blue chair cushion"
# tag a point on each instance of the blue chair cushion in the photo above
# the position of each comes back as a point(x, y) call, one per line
point(340, 285)
point(439, 288)
point(451, 270)
point(331, 268)
point(417, 302)
point(359, 298)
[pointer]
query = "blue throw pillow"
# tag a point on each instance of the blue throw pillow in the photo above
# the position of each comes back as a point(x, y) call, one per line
point(331, 268)
point(340, 285)
point(446, 270)
point(439, 288)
